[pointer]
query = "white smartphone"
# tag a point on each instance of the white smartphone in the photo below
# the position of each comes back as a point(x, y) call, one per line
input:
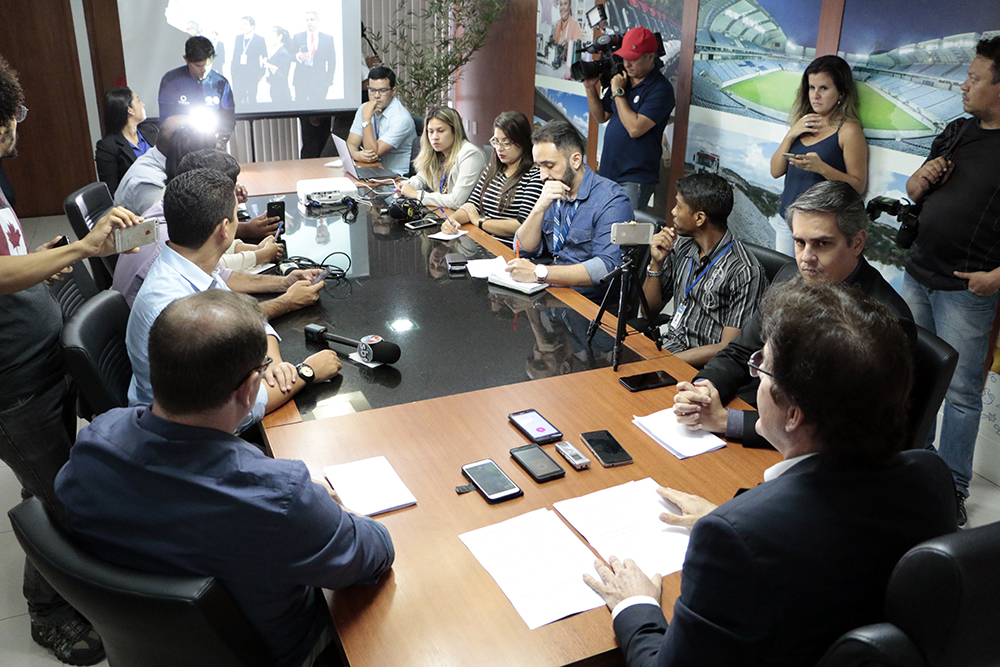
point(138, 235)
point(491, 481)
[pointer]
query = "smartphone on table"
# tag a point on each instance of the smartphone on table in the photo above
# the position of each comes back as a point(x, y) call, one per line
point(651, 380)
point(537, 463)
point(607, 450)
point(491, 481)
point(535, 427)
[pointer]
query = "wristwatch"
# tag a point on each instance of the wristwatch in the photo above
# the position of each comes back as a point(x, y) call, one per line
point(541, 273)
point(306, 373)
point(653, 274)
point(365, 123)
point(618, 92)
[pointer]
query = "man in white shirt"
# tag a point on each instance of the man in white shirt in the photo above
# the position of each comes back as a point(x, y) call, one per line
point(383, 129)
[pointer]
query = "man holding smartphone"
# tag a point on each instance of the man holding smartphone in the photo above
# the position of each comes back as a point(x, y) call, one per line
point(776, 574)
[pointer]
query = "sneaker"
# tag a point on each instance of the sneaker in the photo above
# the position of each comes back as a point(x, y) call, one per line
point(74, 642)
point(963, 516)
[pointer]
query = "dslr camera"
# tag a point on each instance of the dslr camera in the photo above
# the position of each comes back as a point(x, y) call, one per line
point(906, 213)
point(597, 58)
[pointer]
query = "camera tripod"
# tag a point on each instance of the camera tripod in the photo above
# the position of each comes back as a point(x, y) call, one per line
point(622, 277)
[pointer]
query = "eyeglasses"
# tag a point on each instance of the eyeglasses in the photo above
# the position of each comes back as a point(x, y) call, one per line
point(379, 91)
point(754, 362)
point(502, 145)
point(21, 114)
point(263, 367)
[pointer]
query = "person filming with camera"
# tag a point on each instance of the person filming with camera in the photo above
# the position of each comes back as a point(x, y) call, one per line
point(636, 106)
point(953, 269)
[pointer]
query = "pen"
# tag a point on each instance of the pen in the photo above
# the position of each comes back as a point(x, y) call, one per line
point(517, 249)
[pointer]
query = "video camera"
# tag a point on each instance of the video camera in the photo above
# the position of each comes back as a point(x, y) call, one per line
point(597, 58)
point(906, 213)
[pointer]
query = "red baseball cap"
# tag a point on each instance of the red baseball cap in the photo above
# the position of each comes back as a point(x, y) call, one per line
point(636, 42)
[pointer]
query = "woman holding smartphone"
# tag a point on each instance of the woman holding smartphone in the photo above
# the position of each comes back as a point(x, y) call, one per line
point(448, 165)
point(509, 187)
point(825, 141)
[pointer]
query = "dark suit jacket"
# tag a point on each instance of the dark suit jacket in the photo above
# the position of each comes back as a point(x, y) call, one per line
point(775, 575)
point(313, 80)
point(246, 77)
point(728, 369)
point(114, 154)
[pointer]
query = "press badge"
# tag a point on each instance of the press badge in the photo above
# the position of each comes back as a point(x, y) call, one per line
point(243, 59)
point(675, 321)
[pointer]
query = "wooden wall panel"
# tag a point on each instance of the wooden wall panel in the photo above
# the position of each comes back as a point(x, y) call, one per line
point(56, 155)
point(501, 76)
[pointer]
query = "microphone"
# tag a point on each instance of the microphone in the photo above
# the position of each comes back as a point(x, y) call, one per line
point(370, 348)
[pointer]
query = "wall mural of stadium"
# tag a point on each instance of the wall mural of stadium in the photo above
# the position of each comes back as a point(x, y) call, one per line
point(749, 59)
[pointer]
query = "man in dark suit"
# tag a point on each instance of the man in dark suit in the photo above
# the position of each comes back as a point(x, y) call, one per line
point(775, 575)
point(315, 61)
point(246, 69)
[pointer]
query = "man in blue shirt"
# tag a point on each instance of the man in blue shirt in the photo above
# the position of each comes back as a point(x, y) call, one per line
point(200, 209)
point(169, 489)
point(197, 86)
point(383, 129)
point(638, 104)
point(572, 218)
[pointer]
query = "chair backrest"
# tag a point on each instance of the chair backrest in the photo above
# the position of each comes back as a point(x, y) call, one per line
point(418, 125)
point(772, 260)
point(941, 608)
point(94, 346)
point(73, 290)
point(643, 216)
point(934, 363)
point(145, 620)
point(83, 208)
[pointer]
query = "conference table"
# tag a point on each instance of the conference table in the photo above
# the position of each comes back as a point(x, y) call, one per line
point(438, 605)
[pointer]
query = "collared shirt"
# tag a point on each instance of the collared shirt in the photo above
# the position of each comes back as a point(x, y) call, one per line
point(395, 127)
point(180, 92)
point(637, 160)
point(170, 278)
point(454, 189)
point(143, 183)
point(600, 203)
point(724, 297)
point(167, 498)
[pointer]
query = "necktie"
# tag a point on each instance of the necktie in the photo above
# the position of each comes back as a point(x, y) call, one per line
point(563, 222)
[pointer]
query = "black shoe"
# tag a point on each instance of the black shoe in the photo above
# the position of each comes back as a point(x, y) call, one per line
point(74, 642)
point(963, 516)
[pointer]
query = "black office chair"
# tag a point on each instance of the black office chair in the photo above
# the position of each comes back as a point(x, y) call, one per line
point(772, 260)
point(145, 620)
point(83, 208)
point(418, 125)
point(934, 363)
point(73, 290)
point(941, 608)
point(93, 343)
point(648, 327)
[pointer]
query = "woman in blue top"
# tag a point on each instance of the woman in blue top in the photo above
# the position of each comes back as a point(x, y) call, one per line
point(825, 141)
point(124, 140)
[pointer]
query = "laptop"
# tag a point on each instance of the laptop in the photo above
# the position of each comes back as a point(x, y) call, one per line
point(360, 173)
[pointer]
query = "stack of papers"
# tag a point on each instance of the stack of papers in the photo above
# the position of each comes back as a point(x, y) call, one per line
point(538, 563)
point(624, 521)
point(482, 268)
point(676, 438)
point(369, 487)
point(442, 236)
point(503, 279)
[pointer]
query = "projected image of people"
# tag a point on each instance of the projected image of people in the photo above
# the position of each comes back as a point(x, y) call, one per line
point(292, 57)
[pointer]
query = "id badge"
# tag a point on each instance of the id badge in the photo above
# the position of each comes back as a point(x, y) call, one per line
point(675, 321)
point(243, 59)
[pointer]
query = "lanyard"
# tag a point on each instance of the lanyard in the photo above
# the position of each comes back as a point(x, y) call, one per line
point(442, 183)
point(702, 274)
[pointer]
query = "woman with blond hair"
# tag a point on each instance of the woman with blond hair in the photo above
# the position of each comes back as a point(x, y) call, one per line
point(448, 165)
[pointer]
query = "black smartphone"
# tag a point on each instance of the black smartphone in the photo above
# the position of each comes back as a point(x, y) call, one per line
point(490, 481)
point(535, 427)
point(651, 380)
point(606, 449)
point(456, 261)
point(537, 463)
point(63, 240)
point(276, 209)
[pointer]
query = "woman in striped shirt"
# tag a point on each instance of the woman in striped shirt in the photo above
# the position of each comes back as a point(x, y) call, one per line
point(508, 188)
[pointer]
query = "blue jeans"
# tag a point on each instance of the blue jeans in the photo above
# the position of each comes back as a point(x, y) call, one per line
point(35, 436)
point(639, 194)
point(963, 320)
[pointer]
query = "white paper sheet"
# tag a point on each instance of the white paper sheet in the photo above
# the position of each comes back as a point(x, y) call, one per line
point(676, 438)
point(441, 236)
point(624, 521)
point(538, 563)
point(482, 268)
point(369, 486)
